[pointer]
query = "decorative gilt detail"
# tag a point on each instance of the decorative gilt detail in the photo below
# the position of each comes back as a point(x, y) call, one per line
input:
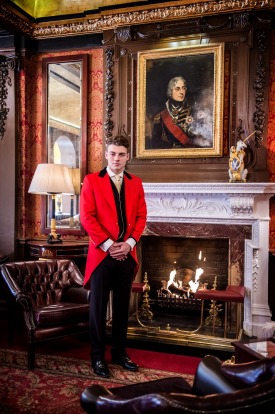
point(109, 93)
point(47, 253)
point(136, 17)
point(6, 64)
point(259, 87)
point(16, 21)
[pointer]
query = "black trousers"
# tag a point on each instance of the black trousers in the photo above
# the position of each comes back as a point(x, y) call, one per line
point(117, 276)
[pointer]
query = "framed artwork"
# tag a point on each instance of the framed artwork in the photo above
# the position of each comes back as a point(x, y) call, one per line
point(180, 102)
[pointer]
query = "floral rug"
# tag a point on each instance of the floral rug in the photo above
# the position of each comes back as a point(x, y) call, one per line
point(56, 383)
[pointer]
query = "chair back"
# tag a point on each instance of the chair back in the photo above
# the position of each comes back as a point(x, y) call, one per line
point(43, 281)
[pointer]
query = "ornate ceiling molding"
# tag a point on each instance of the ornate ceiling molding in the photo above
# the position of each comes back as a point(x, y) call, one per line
point(15, 20)
point(130, 16)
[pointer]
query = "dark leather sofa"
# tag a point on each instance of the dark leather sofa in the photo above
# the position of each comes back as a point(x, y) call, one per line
point(50, 297)
point(217, 388)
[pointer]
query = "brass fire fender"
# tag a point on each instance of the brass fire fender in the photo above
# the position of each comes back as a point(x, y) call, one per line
point(177, 337)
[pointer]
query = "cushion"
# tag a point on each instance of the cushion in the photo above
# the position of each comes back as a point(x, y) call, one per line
point(61, 313)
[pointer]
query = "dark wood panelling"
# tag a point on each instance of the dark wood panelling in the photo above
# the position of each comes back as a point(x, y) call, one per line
point(246, 37)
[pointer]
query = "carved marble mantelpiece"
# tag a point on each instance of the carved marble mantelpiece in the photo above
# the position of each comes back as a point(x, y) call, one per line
point(227, 204)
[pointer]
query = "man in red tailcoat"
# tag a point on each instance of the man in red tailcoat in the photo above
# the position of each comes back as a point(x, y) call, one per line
point(113, 212)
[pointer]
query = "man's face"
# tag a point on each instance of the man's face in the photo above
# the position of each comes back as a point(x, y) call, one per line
point(179, 91)
point(117, 156)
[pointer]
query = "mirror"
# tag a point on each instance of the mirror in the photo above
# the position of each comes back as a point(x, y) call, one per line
point(65, 130)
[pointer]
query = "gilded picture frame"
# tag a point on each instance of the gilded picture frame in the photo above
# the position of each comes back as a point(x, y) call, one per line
point(193, 129)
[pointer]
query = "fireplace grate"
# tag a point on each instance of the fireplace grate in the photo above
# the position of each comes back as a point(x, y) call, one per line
point(172, 301)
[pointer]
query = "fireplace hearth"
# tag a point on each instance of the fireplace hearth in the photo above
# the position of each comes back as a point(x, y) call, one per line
point(236, 214)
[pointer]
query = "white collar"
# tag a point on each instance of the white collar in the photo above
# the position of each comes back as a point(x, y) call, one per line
point(112, 174)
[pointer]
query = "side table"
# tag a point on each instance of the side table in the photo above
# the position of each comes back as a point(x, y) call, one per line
point(77, 251)
point(254, 350)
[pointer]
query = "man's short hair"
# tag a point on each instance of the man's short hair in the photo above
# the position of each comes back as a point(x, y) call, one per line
point(118, 140)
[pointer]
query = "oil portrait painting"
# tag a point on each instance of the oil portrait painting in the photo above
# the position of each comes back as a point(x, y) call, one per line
point(180, 102)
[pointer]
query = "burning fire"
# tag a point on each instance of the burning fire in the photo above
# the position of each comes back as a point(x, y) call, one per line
point(195, 285)
point(178, 285)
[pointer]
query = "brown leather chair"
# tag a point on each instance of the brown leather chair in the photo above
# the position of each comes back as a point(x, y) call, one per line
point(217, 388)
point(51, 296)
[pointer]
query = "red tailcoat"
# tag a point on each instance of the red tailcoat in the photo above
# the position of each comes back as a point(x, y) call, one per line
point(98, 215)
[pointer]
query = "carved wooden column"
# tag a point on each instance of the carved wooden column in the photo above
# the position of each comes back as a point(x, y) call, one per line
point(6, 64)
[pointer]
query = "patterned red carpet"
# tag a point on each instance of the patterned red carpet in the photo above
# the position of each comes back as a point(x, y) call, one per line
point(55, 385)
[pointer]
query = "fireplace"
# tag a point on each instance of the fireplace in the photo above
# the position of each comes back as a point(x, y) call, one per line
point(176, 266)
point(230, 216)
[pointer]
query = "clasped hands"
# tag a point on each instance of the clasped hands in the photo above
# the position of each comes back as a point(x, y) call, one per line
point(119, 250)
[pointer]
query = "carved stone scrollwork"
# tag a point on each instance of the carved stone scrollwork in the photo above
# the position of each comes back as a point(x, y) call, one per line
point(241, 205)
point(109, 93)
point(255, 276)
point(259, 87)
point(5, 65)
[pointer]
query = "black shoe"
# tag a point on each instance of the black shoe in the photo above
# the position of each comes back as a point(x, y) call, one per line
point(101, 369)
point(126, 362)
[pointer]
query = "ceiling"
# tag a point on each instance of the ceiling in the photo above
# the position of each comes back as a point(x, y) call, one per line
point(39, 9)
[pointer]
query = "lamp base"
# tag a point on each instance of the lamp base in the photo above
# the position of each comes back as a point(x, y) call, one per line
point(54, 238)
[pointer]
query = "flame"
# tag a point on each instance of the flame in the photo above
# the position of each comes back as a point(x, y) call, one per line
point(171, 278)
point(199, 272)
point(195, 285)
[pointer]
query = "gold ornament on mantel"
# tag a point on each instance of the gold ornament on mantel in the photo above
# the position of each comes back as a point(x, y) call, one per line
point(237, 172)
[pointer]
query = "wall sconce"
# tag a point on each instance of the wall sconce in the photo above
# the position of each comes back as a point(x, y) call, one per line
point(52, 179)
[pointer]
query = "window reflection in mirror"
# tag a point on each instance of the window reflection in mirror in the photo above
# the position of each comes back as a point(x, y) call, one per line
point(65, 127)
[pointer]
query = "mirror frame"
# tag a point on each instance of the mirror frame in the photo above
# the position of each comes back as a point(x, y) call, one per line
point(83, 162)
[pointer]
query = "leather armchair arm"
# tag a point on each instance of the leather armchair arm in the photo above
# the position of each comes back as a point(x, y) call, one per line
point(10, 283)
point(76, 295)
point(259, 398)
point(75, 274)
point(210, 380)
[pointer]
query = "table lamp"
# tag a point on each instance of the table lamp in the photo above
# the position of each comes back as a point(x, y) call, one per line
point(52, 179)
point(75, 176)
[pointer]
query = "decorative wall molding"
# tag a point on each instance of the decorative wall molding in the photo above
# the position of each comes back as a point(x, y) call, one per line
point(135, 16)
point(234, 203)
point(6, 64)
point(259, 87)
point(109, 93)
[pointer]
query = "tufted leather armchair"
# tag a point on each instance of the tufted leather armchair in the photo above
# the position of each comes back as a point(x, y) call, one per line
point(217, 388)
point(51, 295)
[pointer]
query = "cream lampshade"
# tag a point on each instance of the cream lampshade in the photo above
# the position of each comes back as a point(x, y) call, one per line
point(52, 179)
